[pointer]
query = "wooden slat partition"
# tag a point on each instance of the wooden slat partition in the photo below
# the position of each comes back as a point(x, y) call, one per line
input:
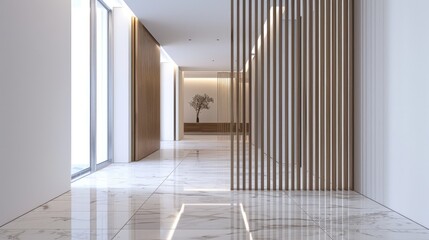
point(146, 71)
point(292, 62)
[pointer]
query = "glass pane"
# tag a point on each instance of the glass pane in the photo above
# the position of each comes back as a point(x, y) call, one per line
point(80, 86)
point(102, 82)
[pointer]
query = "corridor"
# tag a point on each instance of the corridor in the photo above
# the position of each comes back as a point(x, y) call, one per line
point(182, 192)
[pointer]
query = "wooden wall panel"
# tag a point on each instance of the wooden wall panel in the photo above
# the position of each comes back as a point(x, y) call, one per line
point(146, 92)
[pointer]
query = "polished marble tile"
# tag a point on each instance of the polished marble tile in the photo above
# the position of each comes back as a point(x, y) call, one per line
point(183, 234)
point(376, 234)
point(182, 192)
point(99, 234)
point(70, 220)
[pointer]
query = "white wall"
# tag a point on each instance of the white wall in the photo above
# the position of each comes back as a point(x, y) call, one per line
point(392, 109)
point(35, 77)
point(167, 101)
point(200, 86)
point(122, 84)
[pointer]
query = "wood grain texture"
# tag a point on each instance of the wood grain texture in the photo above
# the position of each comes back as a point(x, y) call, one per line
point(213, 127)
point(257, 104)
point(262, 97)
point(146, 89)
point(281, 94)
point(317, 95)
point(293, 95)
point(268, 99)
point(286, 94)
point(311, 96)
point(237, 96)
point(299, 94)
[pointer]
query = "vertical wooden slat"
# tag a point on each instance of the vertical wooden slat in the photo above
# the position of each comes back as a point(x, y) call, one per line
point(322, 72)
point(317, 94)
point(328, 95)
point(293, 96)
point(134, 25)
point(339, 93)
point(281, 95)
point(274, 99)
point(268, 80)
point(334, 94)
point(311, 95)
point(299, 95)
point(250, 92)
point(352, 93)
point(304, 96)
point(262, 97)
point(231, 76)
point(346, 93)
point(286, 67)
point(257, 105)
point(243, 106)
point(237, 96)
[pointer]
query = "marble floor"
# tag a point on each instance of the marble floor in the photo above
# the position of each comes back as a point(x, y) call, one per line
point(181, 192)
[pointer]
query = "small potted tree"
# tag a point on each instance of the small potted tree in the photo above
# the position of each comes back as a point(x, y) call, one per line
point(200, 102)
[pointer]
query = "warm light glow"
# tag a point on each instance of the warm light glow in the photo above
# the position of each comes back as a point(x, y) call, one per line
point(182, 210)
point(246, 223)
point(200, 79)
point(176, 221)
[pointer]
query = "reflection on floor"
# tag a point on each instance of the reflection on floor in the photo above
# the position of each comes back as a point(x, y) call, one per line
point(181, 192)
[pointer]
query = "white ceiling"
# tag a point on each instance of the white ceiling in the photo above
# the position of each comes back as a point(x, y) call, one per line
point(173, 22)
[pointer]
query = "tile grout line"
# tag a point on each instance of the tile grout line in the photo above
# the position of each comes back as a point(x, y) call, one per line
point(308, 215)
point(424, 227)
point(122, 228)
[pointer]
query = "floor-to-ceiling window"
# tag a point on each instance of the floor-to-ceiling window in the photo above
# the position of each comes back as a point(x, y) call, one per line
point(91, 94)
point(102, 83)
point(80, 84)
